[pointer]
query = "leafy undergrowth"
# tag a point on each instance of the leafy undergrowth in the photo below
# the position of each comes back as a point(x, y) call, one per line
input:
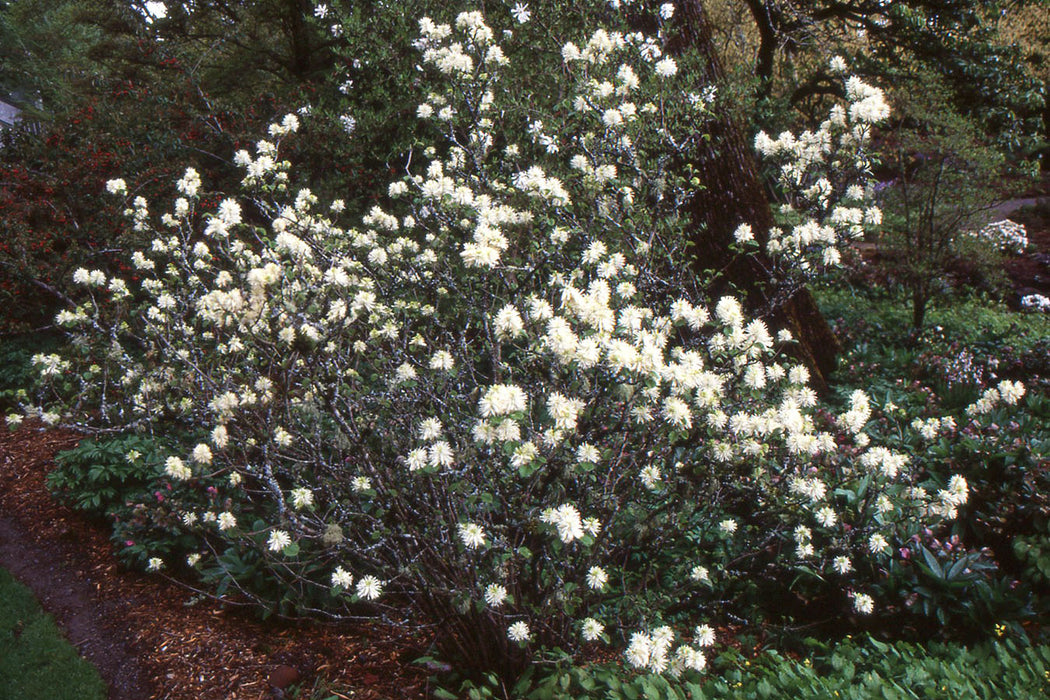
point(35, 660)
point(849, 669)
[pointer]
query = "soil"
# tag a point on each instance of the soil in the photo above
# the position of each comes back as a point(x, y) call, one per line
point(151, 638)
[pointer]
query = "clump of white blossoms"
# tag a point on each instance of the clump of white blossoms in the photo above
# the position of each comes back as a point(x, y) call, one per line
point(456, 393)
point(824, 176)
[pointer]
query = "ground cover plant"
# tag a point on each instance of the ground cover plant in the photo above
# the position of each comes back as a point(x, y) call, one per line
point(498, 403)
point(36, 661)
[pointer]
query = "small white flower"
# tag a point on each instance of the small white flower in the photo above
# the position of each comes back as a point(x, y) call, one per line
point(842, 565)
point(202, 454)
point(416, 459)
point(302, 498)
point(155, 564)
point(227, 521)
point(369, 588)
point(495, 595)
point(592, 629)
point(282, 437)
point(441, 454)
point(587, 453)
point(279, 539)
point(518, 632)
point(727, 526)
point(705, 636)
point(442, 361)
point(863, 603)
point(175, 468)
point(429, 429)
point(521, 13)
point(341, 578)
point(597, 578)
point(472, 535)
point(651, 477)
point(666, 67)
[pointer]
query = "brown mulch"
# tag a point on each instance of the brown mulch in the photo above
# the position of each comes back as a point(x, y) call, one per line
point(149, 637)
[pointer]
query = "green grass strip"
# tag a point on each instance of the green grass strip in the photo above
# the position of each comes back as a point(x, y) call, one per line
point(36, 661)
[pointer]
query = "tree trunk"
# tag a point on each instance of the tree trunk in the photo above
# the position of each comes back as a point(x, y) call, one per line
point(733, 194)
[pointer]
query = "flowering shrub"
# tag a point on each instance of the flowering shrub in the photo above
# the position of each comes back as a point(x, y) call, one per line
point(1035, 302)
point(1006, 236)
point(497, 396)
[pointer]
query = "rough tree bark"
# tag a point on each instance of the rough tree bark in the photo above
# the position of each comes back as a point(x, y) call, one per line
point(733, 194)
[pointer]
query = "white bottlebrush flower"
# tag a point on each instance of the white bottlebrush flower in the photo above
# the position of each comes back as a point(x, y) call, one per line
point(518, 632)
point(592, 629)
point(705, 636)
point(227, 521)
point(650, 477)
point(877, 544)
point(279, 539)
point(282, 437)
point(175, 468)
point(677, 413)
point(826, 516)
point(441, 454)
point(495, 594)
point(202, 454)
point(472, 535)
point(341, 578)
point(863, 603)
point(588, 453)
point(567, 520)
point(442, 361)
point(597, 578)
point(302, 498)
point(405, 372)
point(564, 411)
point(727, 526)
point(508, 322)
point(501, 400)
point(842, 565)
point(430, 429)
point(117, 186)
point(155, 564)
point(416, 459)
point(360, 484)
point(666, 67)
point(700, 574)
point(369, 588)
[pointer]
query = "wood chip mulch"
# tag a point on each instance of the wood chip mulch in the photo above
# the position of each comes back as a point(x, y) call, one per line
point(147, 635)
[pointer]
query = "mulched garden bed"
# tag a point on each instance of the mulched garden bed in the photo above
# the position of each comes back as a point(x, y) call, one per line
point(150, 637)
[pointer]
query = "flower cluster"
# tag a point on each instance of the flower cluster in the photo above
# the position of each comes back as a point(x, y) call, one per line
point(824, 176)
point(1006, 235)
